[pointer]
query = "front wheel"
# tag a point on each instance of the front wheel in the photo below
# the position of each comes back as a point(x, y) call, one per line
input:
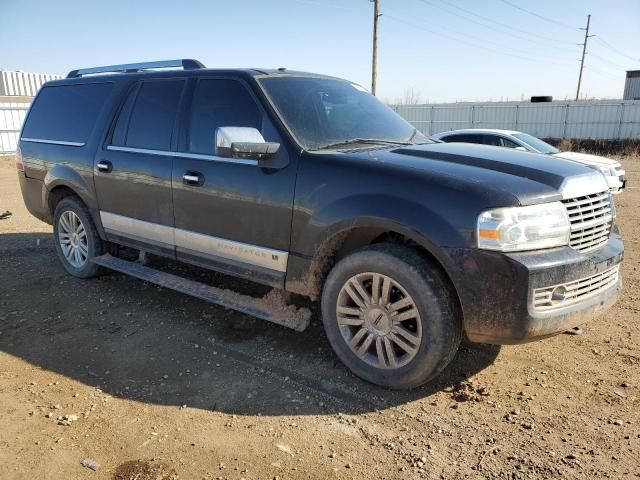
point(76, 238)
point(391, 316)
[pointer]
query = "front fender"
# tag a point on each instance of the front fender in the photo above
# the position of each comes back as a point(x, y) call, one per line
point(332, 222)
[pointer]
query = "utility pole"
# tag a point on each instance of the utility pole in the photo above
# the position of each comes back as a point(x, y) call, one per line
point(374, 60)
point(584, 52)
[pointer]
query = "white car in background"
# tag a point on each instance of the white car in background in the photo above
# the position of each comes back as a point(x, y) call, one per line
point(611, 169)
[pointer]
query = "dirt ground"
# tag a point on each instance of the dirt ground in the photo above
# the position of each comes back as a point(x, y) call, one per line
point(114, 378)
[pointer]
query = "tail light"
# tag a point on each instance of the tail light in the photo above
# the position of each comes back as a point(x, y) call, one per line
point(19, 162)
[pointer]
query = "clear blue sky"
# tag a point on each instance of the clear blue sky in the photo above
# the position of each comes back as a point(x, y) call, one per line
point(445, 49)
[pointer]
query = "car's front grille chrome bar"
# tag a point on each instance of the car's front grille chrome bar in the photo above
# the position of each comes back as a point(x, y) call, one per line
point(558, 296)
point(591, 218)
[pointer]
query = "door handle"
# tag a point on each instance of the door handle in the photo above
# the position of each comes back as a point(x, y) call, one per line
point(105, 166)
point(195, 179)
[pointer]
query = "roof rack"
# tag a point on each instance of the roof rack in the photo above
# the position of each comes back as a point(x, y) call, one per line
point(185, 63)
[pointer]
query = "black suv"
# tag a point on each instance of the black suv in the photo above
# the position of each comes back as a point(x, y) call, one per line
point(309, 184)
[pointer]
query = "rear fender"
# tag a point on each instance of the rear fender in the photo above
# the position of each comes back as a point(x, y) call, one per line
point(61, 175)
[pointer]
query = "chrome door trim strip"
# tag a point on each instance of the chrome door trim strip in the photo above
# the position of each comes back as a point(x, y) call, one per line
point(53, 142)
point(231, 250)
point(137, 229)
point(194, 156)
point(195, 243)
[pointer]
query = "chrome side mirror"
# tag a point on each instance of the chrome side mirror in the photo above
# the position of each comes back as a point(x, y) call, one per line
point(243, 142)
point(522, 149)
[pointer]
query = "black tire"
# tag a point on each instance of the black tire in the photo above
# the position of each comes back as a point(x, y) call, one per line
point(95, 245)
point(433, 297)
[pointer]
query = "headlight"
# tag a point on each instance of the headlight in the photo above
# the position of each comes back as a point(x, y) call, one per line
point(607, 171)
point(532, 227)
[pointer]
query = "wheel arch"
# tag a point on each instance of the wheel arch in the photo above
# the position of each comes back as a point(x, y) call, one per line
point(63, 181)
point(351, 235)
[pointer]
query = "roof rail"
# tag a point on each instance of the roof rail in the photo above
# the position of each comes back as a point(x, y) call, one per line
point(185, 63)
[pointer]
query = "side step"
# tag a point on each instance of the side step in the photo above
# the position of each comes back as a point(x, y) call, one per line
point(271, 307)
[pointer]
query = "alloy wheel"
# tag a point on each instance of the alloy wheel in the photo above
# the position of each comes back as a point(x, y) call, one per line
point(379, 320)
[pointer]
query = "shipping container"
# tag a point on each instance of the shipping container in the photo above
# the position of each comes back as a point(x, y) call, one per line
point(632, 85)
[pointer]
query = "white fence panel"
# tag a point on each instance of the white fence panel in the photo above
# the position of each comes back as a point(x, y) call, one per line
point(12, 116)
point(596, 119)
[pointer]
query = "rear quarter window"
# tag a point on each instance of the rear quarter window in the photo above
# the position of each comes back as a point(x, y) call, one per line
point(66, 113)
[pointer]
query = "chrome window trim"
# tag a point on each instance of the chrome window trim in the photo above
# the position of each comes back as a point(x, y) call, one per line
point(164, 153)
point(215, 158)
point(193, 242)
point(194, 156)
point(53, 142)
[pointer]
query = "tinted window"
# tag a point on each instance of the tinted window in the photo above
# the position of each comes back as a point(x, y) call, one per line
point(504, 142)
point(466, 138)
point(120, 130)
point(491, 140)
point(66, 113)
point(219, 103)
point(539, 145)
point(153, 115)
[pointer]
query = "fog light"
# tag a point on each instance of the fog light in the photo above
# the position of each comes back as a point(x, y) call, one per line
point(559, 294)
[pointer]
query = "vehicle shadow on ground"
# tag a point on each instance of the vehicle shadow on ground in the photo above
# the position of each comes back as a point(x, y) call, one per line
point(140, 342)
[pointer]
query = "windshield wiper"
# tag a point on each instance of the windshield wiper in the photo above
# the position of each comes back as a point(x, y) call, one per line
point(369, 141)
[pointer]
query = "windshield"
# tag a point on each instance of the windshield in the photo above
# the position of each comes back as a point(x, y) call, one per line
point(327, 113)
point(539, 145)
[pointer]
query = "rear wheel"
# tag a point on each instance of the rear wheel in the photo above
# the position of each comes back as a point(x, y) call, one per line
point(391, 316)
point(76, 238)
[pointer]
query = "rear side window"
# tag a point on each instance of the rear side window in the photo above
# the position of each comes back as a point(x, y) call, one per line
point(66, 113)
point(463, 138)
point(219, 103)
point(153, 115)
point(492, 140)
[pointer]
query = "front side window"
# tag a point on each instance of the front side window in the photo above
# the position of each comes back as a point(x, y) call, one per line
point(324, 112)
point(505, 142)
point(219, 103)
point(153, 115)
point(67, 112)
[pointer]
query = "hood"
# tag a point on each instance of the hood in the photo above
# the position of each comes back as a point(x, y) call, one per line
point(587, 159)
point(529, 177)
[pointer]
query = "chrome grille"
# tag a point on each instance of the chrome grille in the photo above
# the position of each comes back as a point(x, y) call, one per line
point(558, 296)
point(591, 217)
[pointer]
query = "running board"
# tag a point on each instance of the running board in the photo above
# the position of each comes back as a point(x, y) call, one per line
point(272, 307)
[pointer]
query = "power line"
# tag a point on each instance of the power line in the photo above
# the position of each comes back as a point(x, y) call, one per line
point(604, 60)
point(615, 50)
point(504, 25)
point(602, 72)
point(474, 45)
point(483, 24)
point(481, 39)
point(537, 15)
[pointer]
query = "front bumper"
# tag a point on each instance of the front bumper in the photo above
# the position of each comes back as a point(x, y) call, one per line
point(498, 293)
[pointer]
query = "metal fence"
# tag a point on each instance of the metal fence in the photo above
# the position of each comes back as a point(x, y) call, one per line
point(13, 110)
point(596, 119)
